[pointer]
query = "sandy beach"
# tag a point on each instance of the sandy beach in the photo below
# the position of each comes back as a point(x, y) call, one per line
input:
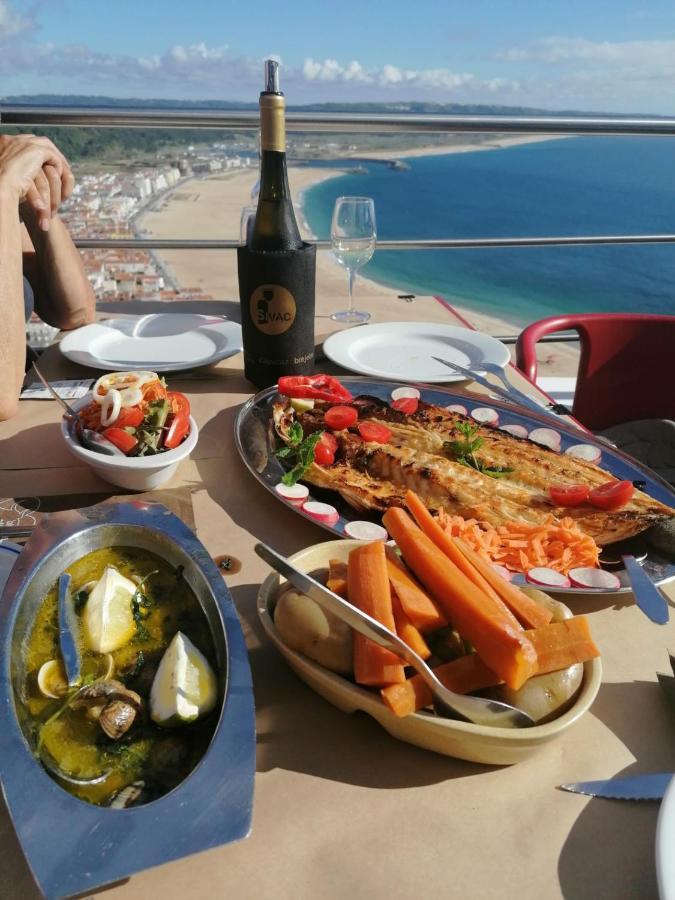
point(210, 208)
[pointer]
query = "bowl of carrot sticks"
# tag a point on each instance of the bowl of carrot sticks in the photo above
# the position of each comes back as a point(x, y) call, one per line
point(479, 632)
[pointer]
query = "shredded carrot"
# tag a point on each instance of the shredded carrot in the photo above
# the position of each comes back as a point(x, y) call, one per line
point(519, 546)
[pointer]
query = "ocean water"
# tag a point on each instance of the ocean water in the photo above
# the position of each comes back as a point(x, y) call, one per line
point(587, 185)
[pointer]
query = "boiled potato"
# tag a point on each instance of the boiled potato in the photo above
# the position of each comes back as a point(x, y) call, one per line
point(304, 626)
point(545, 697)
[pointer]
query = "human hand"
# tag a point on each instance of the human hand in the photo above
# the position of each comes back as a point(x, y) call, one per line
point(36, 172)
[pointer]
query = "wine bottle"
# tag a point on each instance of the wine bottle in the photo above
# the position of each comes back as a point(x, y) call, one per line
point(275, 226)
point(276, 268)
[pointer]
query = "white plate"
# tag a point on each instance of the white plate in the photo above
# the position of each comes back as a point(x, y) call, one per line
point(665, 843)
point(403, 351)
point(161, 342)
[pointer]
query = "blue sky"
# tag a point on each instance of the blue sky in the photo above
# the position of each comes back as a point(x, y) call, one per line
point(595, 55)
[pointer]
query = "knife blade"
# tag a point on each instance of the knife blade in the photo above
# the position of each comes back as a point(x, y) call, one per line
point(647, 596)
point(67, 626)
point(632, 787)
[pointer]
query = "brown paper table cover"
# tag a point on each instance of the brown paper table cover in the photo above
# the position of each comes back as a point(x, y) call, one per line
point(342, 810)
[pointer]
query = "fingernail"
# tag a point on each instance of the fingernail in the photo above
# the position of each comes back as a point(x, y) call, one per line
point(44, 224)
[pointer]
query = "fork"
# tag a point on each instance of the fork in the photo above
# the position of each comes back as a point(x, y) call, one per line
point(508, 392)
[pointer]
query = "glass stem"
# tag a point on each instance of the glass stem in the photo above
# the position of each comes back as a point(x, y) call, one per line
point(352, 275)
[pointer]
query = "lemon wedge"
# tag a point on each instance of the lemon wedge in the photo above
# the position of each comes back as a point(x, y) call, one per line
point(108, 617)
point(184, 686)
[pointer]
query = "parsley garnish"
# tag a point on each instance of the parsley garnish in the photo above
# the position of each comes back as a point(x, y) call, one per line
point(302, 449)
point(464, 449)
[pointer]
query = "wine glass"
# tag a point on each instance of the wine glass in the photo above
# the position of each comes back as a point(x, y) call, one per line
point(353, 235)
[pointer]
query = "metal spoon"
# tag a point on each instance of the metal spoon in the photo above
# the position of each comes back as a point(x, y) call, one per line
point(478, 710)
point(67, 626)
point(53, 768)
point(86, 436)
point(631, 554)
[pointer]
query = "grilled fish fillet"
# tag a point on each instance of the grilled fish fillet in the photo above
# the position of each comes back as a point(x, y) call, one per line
point(371, 476)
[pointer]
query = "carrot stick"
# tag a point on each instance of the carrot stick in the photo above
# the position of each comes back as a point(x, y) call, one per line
point(337, 577)
point(368, 589)
point(416, 603)
point(477, 618)
point(407, 631)
point(558, 645)
point(445, 543)
point(526, 610)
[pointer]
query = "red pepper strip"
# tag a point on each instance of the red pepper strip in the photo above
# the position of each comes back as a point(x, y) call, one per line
point(313, 387)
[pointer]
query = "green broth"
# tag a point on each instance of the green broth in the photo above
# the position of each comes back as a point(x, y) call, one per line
point(159, 757)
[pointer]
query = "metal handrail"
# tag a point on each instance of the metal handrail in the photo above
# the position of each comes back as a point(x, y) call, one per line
point(349, 123)
point(431, 244)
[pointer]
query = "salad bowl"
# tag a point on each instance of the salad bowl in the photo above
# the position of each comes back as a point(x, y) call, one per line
point(476, 743)
point(135, 473)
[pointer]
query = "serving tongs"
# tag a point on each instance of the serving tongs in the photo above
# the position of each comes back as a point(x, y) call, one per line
point(478, 710)
point(508, 392)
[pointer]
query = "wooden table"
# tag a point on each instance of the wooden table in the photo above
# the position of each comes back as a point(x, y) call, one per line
point(342, 810)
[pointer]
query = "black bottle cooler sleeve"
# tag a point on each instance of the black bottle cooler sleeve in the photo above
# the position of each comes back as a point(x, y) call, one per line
point(276, 292)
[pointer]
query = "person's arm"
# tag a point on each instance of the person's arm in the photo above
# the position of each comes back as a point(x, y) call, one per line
point(12, 322)
point(53, 265)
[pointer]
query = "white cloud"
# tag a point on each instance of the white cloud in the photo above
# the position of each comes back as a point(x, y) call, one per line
point(12, 23)
point(653, 54)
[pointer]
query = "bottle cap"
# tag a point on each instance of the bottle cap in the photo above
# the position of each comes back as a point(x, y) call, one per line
point(272, 76)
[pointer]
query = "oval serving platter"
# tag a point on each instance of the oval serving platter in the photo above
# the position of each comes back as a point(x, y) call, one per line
point(256, 442)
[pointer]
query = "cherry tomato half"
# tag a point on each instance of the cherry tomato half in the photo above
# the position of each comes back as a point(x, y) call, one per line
point(179, 403)
point(120, 438)
point(323, 455)
point(179, 426)
point(569, 494)
point(340, 417)
point(406, 405)
point(612, 494)
point(129, 417)
point(374, 432)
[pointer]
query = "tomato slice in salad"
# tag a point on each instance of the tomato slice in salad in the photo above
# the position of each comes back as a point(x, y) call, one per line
point(179, 426)
point(406, 405)
point(129, 417)
point(323, 455)
point(179, 403)
point(122, 439)
point(374, 432)
point(569, 494)
point(611, 495)
point(313, 387)
point(340, 417)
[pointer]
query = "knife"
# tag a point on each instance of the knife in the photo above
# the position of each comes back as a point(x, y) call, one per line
point(632, 787)
point(67, 626)
point(647, 596)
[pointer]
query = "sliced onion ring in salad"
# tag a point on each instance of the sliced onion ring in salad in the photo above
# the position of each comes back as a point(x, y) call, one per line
point(110, 407)
point(121, 381)
point(131, 396)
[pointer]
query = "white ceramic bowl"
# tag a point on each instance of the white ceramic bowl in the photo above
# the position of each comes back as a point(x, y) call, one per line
point(136, 473)
point(477, 743)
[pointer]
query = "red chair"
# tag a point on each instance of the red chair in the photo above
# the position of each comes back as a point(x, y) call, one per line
point(627, 366)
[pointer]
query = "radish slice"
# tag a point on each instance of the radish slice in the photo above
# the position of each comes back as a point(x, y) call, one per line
point(457, 408)
point(485, 415)
point(516, 430)
point(587, 577)
point(110, 407)
point(366, 531)
point(400, 392)
point(503, 571)
point(547, 577)
point(584, 451)
point(546, 437)
point(322, 512)
point(294, 493)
